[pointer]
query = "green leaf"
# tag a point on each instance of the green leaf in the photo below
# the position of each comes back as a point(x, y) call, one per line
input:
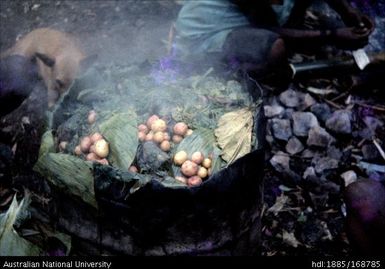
point(202, 140)
point(171, 182)
point(69, 173)
point(11, 244)
point(47, 143)
point(65, 239)
point(121, 133)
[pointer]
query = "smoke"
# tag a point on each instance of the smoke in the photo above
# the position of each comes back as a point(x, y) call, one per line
point(165, 70)
point(132, 32)
point(123, 32)
point(126, 32)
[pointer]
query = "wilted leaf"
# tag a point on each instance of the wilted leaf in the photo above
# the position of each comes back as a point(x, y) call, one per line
point(150, 157)
point(69, 173)
point(122, 135)
point(279, 204)
point(289, 238)
point(321, 91)
point(11, 244)
point(234, 134)
point(106, 175)
point(284, 188)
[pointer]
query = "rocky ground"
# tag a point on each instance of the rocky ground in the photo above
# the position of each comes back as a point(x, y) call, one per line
point(318, 147)
point(321, 136)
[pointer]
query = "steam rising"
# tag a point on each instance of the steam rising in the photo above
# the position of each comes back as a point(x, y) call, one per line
point(125, 33)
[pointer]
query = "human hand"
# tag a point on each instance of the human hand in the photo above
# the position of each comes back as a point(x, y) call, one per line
point(350, 37)
point(360, 21)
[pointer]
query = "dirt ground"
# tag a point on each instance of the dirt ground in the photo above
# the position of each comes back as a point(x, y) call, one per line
point(123, 32)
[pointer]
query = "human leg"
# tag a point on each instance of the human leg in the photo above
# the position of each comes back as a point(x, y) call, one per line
point(256, 51)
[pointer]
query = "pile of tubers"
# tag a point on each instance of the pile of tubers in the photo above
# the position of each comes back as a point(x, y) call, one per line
point(194, 169)
point(155, 129)
point(95, 147)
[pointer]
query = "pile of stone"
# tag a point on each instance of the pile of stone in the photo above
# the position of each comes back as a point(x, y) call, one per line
point(314, 143)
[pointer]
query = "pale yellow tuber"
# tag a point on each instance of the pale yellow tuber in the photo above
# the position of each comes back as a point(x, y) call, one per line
point(101, 148)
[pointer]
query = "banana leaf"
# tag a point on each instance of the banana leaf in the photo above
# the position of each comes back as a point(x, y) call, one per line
point(11, 244)
point(121, 133)
point(69, 173)
point(202, 140)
